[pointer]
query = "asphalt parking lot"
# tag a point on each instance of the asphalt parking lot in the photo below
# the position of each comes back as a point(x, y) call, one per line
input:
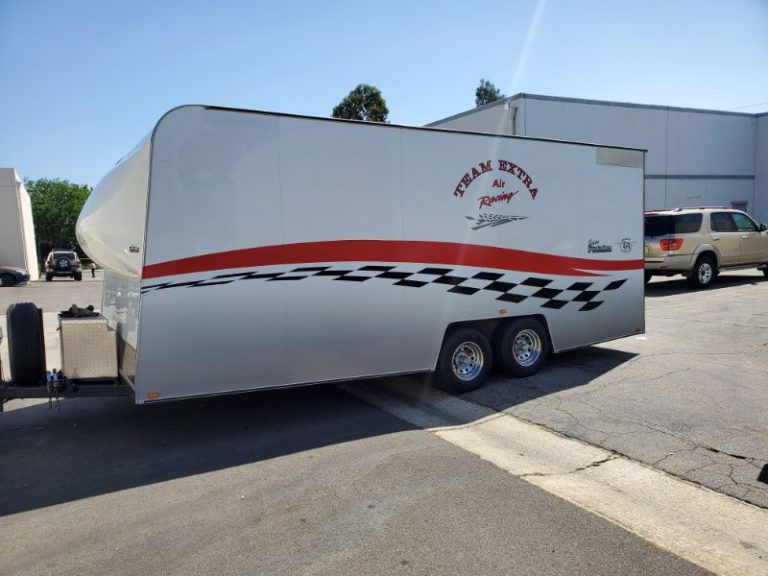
point(688, 397)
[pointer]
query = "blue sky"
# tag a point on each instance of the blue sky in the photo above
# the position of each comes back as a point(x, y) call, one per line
point(84, 80)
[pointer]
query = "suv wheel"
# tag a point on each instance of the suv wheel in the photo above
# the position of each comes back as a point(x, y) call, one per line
point(703, 273)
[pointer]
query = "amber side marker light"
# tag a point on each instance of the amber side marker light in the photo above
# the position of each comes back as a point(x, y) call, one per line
point(153, 395)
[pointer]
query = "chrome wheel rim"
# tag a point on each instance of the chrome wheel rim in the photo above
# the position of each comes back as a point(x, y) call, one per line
point(705, 272)
point(526, 348)
point(467, 361)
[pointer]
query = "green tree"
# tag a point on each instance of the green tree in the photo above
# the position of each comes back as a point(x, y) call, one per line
point(365, 102)
point(486, 93)
point(56, 205)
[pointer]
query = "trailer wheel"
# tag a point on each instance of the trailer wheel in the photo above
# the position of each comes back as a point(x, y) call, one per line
point(48, 277)
point(78, 276)
point(521, 347)
point(26, 347)
point(465, 361)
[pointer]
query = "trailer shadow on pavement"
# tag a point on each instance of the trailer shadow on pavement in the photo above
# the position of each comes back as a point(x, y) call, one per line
point(565, 371)
point(95, 446)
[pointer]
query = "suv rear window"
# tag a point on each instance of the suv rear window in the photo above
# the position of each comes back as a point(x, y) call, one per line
point(70, 255)
point(664, 225)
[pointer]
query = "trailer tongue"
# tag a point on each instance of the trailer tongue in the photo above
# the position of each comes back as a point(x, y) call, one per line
point(249, 250)
point(88, 353)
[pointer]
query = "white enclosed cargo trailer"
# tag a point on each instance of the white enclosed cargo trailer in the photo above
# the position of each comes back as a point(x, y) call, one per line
point(17, 229)
point(246, 250)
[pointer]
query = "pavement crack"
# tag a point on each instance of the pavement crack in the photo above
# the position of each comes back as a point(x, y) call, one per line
point(597, 463)
point(594, 464)
point(737, 456)
point(661, 460)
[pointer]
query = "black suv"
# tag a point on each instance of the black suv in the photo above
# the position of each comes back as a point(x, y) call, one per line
point(63, 263)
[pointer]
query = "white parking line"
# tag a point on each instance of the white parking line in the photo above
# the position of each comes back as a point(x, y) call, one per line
point(719, 533)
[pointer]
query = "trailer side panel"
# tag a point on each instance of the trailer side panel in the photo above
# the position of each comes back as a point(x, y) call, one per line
point(284, 250)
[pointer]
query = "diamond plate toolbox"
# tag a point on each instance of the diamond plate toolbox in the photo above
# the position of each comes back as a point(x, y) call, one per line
point(88, 348)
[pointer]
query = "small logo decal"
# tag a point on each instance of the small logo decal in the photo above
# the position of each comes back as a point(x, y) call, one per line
point(625, 244)
point(484, 220)
point(594, 247)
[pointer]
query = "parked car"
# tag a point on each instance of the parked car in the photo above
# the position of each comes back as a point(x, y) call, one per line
point(63, 263)
point(700, 242)
point(10, 276)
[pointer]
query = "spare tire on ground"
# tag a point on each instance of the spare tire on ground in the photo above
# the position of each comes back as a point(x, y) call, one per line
point(26, 345)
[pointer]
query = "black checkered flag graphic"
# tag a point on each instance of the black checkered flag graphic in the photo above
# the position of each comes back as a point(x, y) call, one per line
point(584, 294)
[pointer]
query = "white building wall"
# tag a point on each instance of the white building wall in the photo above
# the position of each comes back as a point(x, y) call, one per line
point(708, 192)
point(703, 143)
point(761, 169)
point(601, 124)
point(695, 157)
point(502, 117)
point(17, 230)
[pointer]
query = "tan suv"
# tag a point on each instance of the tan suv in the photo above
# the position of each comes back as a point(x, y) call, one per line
point(699, 242)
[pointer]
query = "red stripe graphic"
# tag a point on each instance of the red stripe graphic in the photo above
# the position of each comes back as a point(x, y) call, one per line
point(446, 253)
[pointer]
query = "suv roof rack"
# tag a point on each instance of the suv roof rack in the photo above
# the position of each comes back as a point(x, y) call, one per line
point(701, 208)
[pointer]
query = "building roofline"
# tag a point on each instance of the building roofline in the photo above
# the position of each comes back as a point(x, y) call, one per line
point(477, 109)
point(541, 97)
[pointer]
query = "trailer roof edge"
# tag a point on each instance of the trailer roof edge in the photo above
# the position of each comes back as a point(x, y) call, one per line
point(387, 125)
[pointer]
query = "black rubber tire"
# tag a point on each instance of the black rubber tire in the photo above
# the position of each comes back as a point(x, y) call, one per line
point(648, 277)
point(765, 271)
point(503, 346)
point(445, 376)
point(7, 280)
point(48, 277)
point(78, 276)
point(695, 279)
point(26, 346)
